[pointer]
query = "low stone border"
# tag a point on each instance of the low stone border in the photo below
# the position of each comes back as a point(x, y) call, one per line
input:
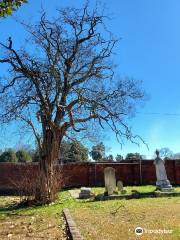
point(71, 225)
point(102, 197)
point(166, 194)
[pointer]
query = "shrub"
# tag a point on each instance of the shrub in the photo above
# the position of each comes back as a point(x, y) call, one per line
point(23, 156)
point(8, 156)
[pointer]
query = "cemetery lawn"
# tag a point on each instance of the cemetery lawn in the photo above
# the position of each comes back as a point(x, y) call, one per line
point(117, 219)
point(114, 219)
point(38, 222)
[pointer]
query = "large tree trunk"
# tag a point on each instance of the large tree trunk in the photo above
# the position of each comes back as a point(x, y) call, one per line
point(46, 191)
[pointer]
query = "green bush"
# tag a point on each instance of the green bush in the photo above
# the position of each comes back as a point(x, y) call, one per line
point(23, 156)
point(8, 156)
point(73, 151)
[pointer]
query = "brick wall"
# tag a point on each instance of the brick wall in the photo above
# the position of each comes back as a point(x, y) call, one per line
point(12, 175)
point(89, 174)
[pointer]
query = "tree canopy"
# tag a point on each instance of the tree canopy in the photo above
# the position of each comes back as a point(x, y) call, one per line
point(23, 156)
point(8, 6)
point(133, 156)
point(98, 152)
point(110, 158)
point(73, 151)
point(119, 157)
point(8, 156)
point(67, 84)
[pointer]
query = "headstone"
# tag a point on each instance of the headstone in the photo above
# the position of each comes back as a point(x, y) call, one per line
point(110, 180)
point(120, 186)
point(162, 181)
point(85, 193)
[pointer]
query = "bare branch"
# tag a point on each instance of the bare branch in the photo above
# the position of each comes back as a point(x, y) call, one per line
point(69, 82)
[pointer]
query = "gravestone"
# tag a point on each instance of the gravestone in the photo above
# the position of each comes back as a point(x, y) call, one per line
point(110, 180)
point(85, 193)
point(120, 186)
point(162, 180)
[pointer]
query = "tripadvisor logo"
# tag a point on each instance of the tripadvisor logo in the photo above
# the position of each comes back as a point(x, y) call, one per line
point(139, 231)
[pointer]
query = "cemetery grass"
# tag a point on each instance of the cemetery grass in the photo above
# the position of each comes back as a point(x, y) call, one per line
point(96, 219)
point(117, 219)
point(37, 222)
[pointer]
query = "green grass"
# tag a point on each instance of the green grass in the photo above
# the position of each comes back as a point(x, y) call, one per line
point(40, 222)
point(96, 219)
point(142, 189)
point(129, 189)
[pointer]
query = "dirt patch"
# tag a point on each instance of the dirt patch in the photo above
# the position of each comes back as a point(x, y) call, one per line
point(17, 224)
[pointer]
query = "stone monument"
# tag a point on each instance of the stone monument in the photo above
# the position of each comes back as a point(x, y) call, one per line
point(120, 186)
point(85, 193)
point(162, 182)
point(110, 180)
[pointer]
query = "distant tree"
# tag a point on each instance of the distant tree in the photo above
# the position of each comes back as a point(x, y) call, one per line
point(110, 158)
point(176, 156)
point(73, 151)
point(133, 156)
point(166, 153)
point(98, 152)
point(8, 156)
point(64, 150)
point(23, 156)
point(35, 155)
point(119, 158)
point(8, 6)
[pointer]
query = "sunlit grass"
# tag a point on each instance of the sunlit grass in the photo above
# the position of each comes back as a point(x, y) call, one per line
point(117, 219)
point(96, 219)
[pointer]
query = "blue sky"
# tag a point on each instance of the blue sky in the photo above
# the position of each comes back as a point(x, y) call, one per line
point(149, 51)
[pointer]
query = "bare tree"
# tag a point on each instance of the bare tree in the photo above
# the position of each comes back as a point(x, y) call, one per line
point(65, 85)
point(166, 153)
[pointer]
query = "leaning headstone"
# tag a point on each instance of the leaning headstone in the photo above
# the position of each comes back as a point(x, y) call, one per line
point(110, 180)
point(162, 181)
point(85, 193)
point(120, 186)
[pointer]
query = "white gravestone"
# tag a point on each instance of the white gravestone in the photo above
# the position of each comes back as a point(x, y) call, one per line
point(162, 180)
point(110, 180)
point(120, 186)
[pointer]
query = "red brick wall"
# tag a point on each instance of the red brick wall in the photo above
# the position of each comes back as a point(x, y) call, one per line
point(75, 174)
point(148, 172)
point(12, 175)
point(89, 174)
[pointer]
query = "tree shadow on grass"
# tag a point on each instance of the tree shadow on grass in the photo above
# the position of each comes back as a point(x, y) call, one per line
point(17, 205)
